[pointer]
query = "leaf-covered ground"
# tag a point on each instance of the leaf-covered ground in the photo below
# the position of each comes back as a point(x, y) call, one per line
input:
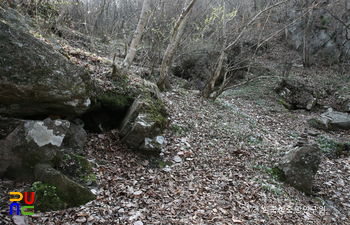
point(215, 168)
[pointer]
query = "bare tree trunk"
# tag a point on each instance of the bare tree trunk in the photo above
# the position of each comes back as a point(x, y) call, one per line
point(63, 11)
point(215, 75)
point(137, 35)
point(172, 53)
point(161, 80)
point(125, 39)
point(306, 55)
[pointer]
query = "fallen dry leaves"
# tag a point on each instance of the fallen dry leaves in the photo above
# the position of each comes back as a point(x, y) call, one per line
point(214, 169)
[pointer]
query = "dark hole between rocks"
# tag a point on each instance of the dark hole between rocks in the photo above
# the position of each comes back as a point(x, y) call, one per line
point(102, 120)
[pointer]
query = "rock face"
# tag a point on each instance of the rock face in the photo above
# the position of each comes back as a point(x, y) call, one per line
point(325, 39)
point(298, 167)
point(35, 79)
point(31, 142)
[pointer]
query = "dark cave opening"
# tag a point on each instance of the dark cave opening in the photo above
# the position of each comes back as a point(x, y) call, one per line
point(102, 120)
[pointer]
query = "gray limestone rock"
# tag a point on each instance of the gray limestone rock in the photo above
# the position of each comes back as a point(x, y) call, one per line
point(140, 125)
point(30, 142)
point(299, 166)
point(152, 145)
point(311, 104)
point(338, 120)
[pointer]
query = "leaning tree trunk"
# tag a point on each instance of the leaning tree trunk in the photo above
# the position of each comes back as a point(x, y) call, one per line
point(161, 80)
point(137, 36)
point(172, 53)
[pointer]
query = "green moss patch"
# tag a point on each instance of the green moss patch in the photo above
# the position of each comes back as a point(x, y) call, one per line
point(78, 168)
point(331, 148)
point(45, 198)
point(316, 123)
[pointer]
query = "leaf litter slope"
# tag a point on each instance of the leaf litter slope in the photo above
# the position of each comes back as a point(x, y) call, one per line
point(221, 156)
point(226, 149)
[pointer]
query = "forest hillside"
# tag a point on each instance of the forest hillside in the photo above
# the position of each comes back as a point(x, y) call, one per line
point(174, 112)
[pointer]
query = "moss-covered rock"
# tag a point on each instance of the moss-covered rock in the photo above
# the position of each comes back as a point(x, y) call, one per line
point(145, 114)
point(143, 122)
point(33, 142)
point(45, 197)
point(299, 166)
point(69, 192)
point(35, 78)
point(295, 93)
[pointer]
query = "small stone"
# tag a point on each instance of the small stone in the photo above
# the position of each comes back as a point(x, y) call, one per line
point(20, 220)
point(145, 163)
point(91, 218)
point(138, 223)
point(313, 133)
point(81, 220)
point(311, 104)
point(177, 159)
point(341, 182)
point(100, 148)
point(137, 192)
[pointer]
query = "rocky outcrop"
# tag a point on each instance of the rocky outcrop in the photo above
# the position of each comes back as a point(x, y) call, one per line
point(299, 166)
point(30, 142)
point(345, 103)
point(35, 78)
point(30, 149)
point(331, 120)
point(299, 95)
point(135, 108)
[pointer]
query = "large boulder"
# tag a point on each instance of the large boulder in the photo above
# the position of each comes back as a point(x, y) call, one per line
point(35, 78)
point(141, 124)
point(295, 93)
point(299, 166)
point(25, 143)
point(338, 120)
